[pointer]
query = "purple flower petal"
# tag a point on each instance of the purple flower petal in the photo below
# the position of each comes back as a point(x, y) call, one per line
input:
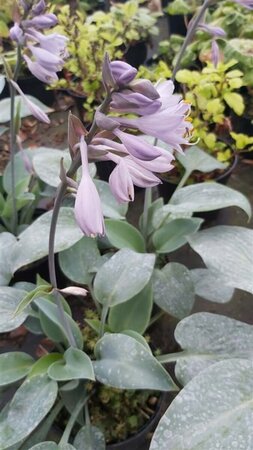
point(88, 209)
point(121, 183)
point(213, 31)
point(122, 72)
point(137, 147)
point(246, 3)
point(40, 72)
point(133, 102)
point(144, 87)
point(46, 59)
point(215, 53)
point(35, 110)
point(17, 34)
point(41, 21)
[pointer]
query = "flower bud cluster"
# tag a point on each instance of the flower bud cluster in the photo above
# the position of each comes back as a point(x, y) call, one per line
point(159, 113)
point(44, 54)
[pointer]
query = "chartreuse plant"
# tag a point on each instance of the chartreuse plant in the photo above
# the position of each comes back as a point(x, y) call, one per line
point(214, 95)
point(91, 36)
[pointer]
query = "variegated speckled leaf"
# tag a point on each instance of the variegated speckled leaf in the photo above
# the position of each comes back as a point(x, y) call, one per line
point(213, 412)
point(207, 338)
point(123, 362)
point(85, 253)
point(228, 250)
point(46, 163)
point(197, 159)
point(123, 276)
point(7, 243)
point(9, 300)
point(33, 242)
point(174, 290)
point(207, 197)
point(210, 286)
point(89, 438)
point(14, 366)
point(30, 404)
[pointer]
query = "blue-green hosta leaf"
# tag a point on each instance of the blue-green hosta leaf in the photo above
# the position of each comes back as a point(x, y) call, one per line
point(123, 276)
point(214, 411)
point(174, 290)
point(14, 366)
point(111, 208)
point(42, 365)
point(124, 363)
point(89, 438)
point(7, 242)
point(210, 286)
point(174, 234)
point(196, 159)
point(121, 235)
point(76, 365)
point(207, 338)
point(49, 445)
point(24, 110)
point(30, 404)
point(9, 300)
point(33, 242)
point(85, 253)
point(21, 174)
point(46, 163)
point(229, 251)
point(207, 197)
point(53, 326)
point(134, 314)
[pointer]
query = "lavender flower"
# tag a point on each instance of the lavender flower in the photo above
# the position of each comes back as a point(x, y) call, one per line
point(215, 32)
point(47, 52)
point(35, 110)
point(246, 3)
point(88, 209)
point(161, 114)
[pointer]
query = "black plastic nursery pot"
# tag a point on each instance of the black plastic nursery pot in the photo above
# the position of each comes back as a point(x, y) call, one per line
point(141, 440)
point(136, 54)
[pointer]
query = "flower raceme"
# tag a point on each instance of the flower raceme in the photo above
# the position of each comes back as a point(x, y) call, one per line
point(46, 53)
point(127, 142)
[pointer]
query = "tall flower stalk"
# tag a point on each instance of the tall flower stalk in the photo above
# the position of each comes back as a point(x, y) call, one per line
point(47, 53)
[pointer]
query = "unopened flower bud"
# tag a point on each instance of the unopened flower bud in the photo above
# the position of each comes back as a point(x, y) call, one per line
point(122, 72)
point(16, 34)
point(39, 8)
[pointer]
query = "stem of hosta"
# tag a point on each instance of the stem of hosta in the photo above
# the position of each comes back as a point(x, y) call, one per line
point(14, 218)
point(190, 34)
point(61, 191)
point(147, 203)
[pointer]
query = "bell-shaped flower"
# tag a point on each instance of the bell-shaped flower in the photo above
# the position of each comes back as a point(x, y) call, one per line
point(35, 110)
point(40, 72)
point(165, 88)
point(120, 181)
point(140, 176)
point(169, 125)
point(136, 146)
point(134, 102)
point(55, 43)
point(88, 209)
point(46, 59)
point(42, 21)
point(144, 87)
point(122, 73)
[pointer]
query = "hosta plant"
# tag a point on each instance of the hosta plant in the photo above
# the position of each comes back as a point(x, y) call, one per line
point(126, 271)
